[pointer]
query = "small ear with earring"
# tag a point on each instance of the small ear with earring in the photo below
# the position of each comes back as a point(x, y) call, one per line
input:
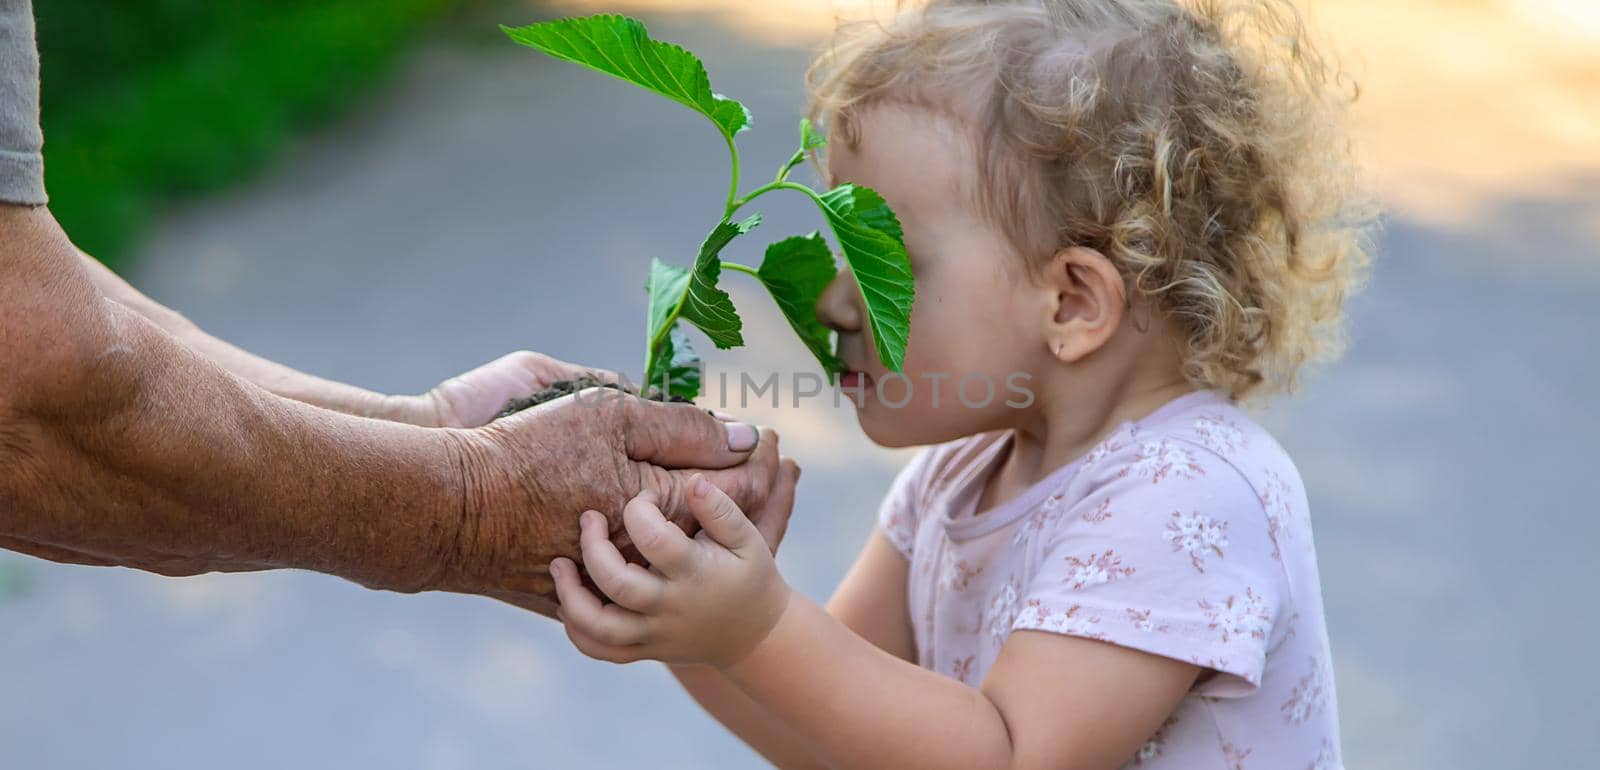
point(1084, 299)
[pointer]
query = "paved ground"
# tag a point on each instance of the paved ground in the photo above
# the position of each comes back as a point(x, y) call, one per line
point(488, 200)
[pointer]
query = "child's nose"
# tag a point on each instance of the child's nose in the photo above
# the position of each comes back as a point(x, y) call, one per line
point(839, 306)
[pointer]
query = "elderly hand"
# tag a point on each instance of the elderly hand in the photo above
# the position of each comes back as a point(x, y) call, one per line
point(527, 476)
point(476, 397)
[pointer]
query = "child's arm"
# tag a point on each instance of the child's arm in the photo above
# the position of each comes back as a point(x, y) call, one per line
point(744, 717)
point(872, 599)
point(870, 602)
point(1050, 700)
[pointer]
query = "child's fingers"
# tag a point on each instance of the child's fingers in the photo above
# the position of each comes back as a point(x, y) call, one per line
point(629, 585)
point(659, 541)
point(581, 610)
point(721, 518)
point(609, 653)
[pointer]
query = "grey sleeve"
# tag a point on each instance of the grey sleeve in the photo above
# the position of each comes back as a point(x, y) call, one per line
point(21, 142)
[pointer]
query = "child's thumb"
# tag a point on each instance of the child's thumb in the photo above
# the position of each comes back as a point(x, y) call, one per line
point(720, 517)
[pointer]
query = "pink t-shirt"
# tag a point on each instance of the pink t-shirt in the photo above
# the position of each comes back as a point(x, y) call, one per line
point(1185, 534)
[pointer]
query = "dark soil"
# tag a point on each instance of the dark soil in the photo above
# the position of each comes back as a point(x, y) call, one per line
point(563, 388)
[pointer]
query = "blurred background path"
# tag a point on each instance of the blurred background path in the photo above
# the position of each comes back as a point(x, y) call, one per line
point(485, 199)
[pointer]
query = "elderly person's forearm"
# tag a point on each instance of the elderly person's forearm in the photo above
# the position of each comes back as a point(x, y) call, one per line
point(271, 375)
point(468, 400)
point(113, 434)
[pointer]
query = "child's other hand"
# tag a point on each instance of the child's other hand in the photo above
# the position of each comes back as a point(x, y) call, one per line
point(709, 600)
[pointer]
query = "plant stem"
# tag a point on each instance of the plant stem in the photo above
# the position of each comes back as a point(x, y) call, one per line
point(733, 203)
point(769, 187)
point(746, 269)
point(733, 183)
point(794, 160)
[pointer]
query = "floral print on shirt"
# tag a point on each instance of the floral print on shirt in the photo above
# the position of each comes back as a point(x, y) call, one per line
point(1239, 617)
point(1095, 569)
point(1159, 460)
point(1197, 535)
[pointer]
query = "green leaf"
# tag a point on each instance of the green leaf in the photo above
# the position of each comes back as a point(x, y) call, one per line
point(705, 305)
point(671, 363)
point(679, 371)
point(796, 271)
point(869, 235)
point(665, 287)
point(693, 295)
point(810, 138)
point(621, 47)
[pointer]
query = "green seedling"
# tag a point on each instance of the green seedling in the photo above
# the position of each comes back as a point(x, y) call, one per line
point(794, 270)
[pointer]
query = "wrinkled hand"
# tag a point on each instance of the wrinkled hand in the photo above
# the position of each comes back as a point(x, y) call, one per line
point(476, 397)
point(710, 599)
point(526, 476)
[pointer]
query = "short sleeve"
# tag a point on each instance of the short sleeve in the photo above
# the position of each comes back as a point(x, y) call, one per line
point(21, 161)
point(1166, 550)
point(901, 507)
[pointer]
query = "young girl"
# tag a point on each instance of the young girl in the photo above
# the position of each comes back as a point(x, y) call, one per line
point(1143, 211)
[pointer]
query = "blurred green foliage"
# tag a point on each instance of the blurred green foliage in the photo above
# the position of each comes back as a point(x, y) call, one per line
point(147, 100)
point(13, 579)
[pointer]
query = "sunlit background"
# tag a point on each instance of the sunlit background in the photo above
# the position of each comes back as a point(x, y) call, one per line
point(409, 195)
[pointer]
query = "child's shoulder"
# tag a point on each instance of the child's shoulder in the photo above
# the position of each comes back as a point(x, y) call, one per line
point(1199, 439)
point(1198, 451)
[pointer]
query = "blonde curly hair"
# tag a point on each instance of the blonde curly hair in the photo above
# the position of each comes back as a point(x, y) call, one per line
point(1199, 145)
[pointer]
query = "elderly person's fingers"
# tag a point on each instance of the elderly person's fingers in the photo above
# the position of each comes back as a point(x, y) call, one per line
point(629, 585)
point(772, 520)
point(684, 436)
point(476, 397)
point(534, 603)
point(659, 541)
point(581, 610)
point(750, 484)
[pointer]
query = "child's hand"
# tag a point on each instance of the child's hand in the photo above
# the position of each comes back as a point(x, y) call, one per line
point(709, 600)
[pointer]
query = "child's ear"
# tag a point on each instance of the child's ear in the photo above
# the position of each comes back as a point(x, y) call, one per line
point(1089, 298)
